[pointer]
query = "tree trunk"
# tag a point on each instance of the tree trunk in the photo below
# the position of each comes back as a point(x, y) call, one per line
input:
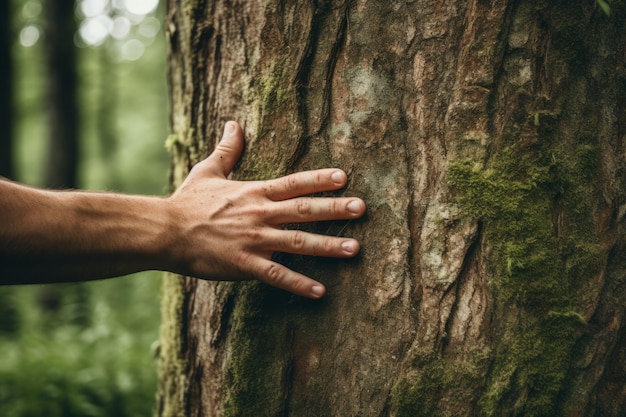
point(487, 139)
point(6, 91)
point(63, 115)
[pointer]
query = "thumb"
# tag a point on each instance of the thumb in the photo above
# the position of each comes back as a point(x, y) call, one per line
point(228, 150)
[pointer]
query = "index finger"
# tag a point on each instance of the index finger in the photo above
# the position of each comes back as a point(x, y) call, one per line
point(302, 183)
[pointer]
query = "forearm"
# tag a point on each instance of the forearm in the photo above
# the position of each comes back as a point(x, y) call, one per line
point(210, 228)
point(50, 236)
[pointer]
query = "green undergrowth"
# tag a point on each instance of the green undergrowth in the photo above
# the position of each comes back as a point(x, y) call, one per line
point(535, 209)
point(82, 359)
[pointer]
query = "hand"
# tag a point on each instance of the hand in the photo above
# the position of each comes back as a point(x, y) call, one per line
point(229, 229)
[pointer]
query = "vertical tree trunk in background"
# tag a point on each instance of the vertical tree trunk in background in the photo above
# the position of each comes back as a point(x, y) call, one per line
point(62, 157)
point(488, 139)
point(6, 92)
point(106, 117)
point(61, 160)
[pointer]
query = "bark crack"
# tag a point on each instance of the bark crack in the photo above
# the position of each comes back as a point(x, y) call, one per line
point(303, 74)
point(463, 276)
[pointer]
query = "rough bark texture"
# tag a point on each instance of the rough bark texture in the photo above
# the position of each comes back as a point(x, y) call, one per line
point(487, 138)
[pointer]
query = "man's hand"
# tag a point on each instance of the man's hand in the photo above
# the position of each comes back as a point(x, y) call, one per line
point(211, 227)
point(229, 229)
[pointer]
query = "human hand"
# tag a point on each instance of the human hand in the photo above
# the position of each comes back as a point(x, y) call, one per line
point(228, 230)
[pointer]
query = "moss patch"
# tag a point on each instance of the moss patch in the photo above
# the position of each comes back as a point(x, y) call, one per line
point(172, 366)
point(258, 363)
point(418, 394)
point(535, 205)
point(270, 92)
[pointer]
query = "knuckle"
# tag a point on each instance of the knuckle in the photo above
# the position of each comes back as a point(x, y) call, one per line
point(275, 274)
point(291, 183)
point(243, 260)
point(318, 180)
point(254, 234)
point(303, 207)
point(298, 285)
point(298, 240)
point(266, 188)
point(329, 245)
point(258, 211)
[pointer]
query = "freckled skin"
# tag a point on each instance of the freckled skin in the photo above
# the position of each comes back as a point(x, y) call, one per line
point(211, 227)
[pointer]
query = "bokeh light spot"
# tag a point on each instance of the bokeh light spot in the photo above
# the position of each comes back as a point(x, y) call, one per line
point(121, 27)
point(132, 50)
point(29, 35)
point(95, 30)
point(141, 7)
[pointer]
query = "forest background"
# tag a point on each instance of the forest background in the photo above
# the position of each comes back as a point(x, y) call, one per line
point(88, 349)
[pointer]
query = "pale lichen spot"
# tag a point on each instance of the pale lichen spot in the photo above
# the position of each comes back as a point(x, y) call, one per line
point(519, 71)
point(340, 138)
point(410, 34)
point(367, 87)
point(392, 275)
point(446, 239)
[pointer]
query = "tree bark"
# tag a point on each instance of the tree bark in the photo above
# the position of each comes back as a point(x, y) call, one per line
point(487, 138)
point(63, 115)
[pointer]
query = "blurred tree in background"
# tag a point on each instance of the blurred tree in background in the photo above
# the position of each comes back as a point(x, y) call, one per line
point(61, 82)
point(8, 309)
point(6, 95)
point(88, 353)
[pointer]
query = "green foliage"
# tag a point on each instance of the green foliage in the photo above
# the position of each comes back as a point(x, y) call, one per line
point(123, 113)
point(604, 6)
point(103, 369)
point(609, 6)
point(92, 355)
point(9, 315)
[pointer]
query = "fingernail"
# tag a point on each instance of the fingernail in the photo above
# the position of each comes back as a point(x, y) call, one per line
point(338, 177)
point(349, 246)
point(317, 290)
point(230, 128)
point(354, 206)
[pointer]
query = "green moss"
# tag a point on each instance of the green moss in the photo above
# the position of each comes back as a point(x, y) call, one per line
point(530, 368)
point(272, 88)
point(172, 366)
point(262, 169)
point(419, 392)
point(539, 264)
point(543, 118)
point(173, 142)
point(258, 358)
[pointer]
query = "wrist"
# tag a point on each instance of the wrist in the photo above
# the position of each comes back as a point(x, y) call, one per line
point(131, 232)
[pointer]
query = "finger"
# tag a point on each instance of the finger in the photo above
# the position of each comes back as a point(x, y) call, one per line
point(313, 209)
point(228, 150)
point(304, 243)
point(303, 183)
point(279, 276)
